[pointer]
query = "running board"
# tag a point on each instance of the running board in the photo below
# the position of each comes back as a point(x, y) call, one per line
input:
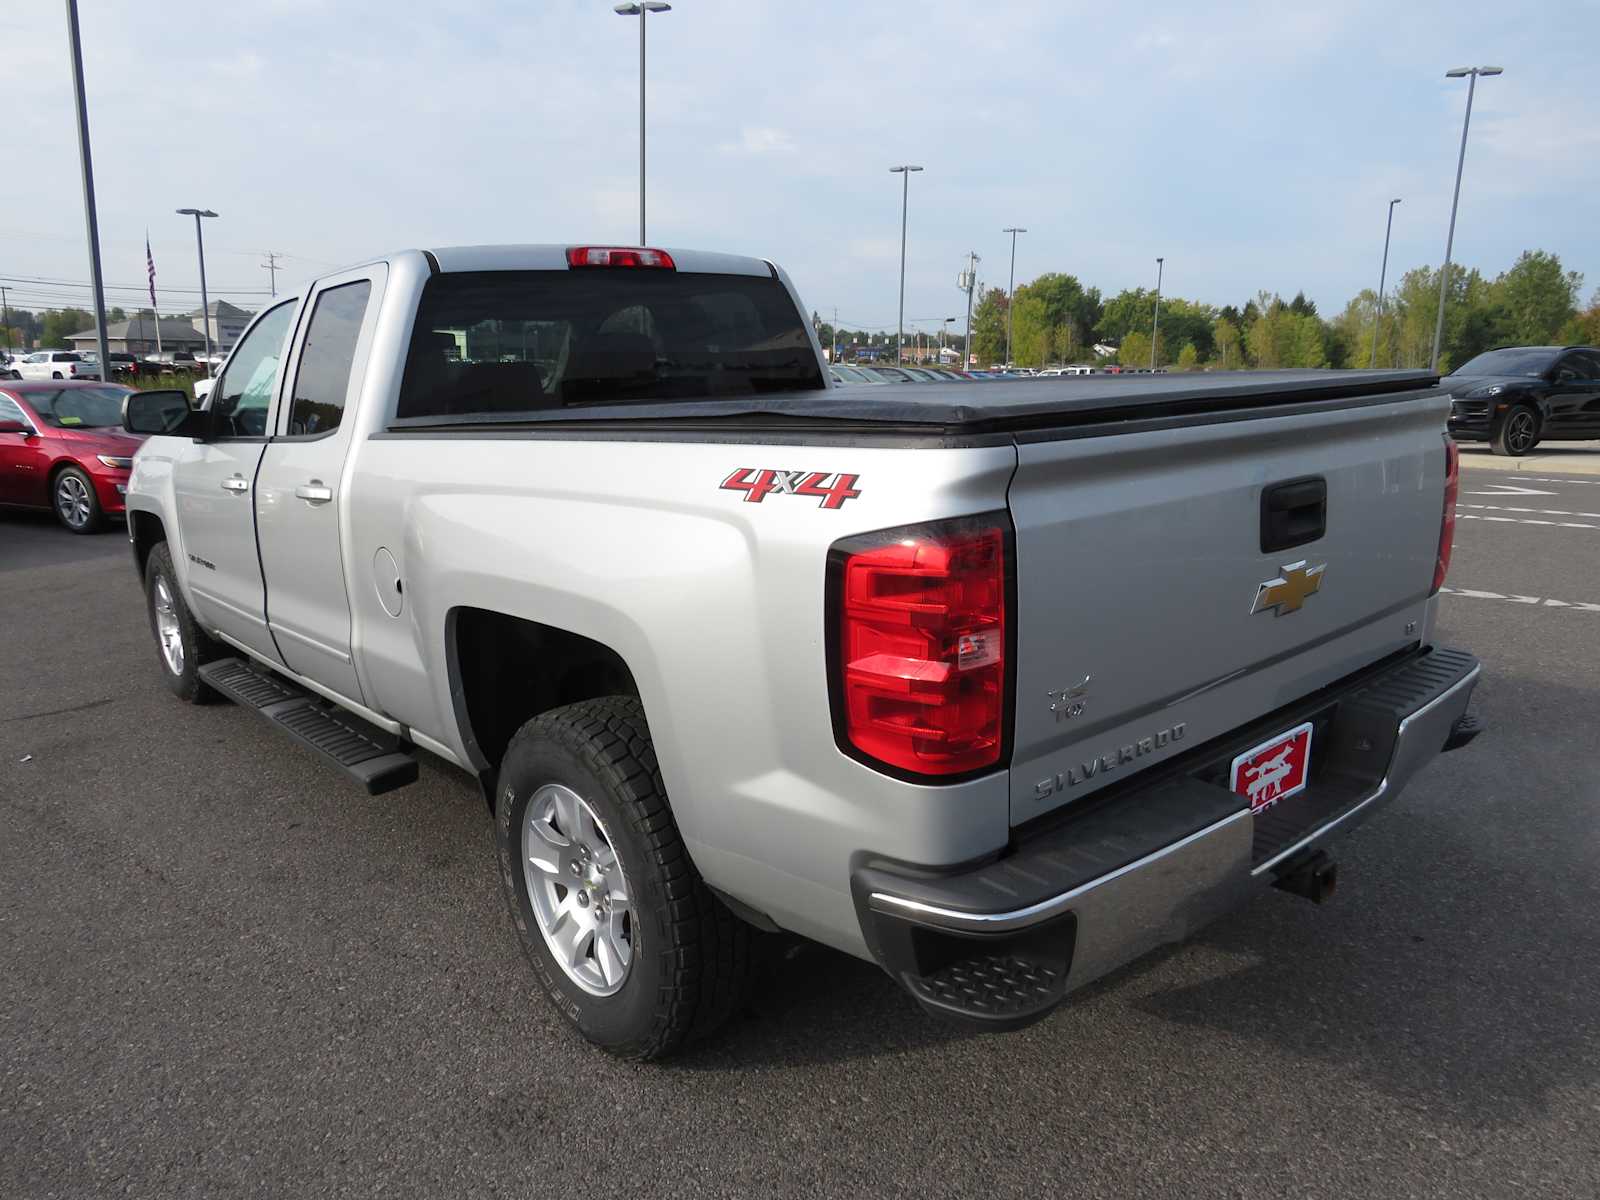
point(371, 757)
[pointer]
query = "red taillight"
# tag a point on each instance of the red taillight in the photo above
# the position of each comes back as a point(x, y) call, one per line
point(920, 645)
point(1447, 522)
point(618, 256)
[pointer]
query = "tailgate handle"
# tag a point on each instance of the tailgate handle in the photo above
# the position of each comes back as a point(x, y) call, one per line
point(1293, 513)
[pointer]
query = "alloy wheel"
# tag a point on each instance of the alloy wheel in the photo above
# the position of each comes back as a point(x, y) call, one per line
point(168, 632)
point(72, 501)
point(1520, 427)
point(578, 890)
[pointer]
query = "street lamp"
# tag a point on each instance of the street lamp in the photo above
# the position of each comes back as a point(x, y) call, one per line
point(642, 11)
point(90, 220)
point(1471, 74)
point(1155, 329)
point(1011, 295)
point(904, 172)
point(1383, 276)
point(205, 303)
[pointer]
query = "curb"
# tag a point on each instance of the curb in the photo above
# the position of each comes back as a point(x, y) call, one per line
point(1563, 458)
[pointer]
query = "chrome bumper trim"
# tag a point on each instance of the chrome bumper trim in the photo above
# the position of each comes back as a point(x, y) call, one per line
point(1401, 766)
point(1175, 889)
point(1004, 922)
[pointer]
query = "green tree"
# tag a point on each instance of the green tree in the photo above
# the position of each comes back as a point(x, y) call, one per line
point(989, 327)
point(1583, 328)
point(116, 314)
point(1226, 339)
point(1135, 349)
point(1282, 337)
point(1538, 298)
point(59, 322)
point(1188, 358)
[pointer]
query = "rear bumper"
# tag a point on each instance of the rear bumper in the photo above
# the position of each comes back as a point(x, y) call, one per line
point(1003, 943)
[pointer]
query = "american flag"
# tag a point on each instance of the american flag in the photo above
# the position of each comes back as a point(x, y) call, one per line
point(150, 265)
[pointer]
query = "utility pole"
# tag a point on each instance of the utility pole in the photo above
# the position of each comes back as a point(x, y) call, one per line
point(967, 282)
point(835, 333)
point(1155, 330)
point(5, 317)
point(1011, 296)
point(1383, 279)
point(90, 221)
point(1472, 74)
point(271, 266)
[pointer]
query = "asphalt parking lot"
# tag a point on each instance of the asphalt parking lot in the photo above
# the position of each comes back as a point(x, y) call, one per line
point(225, 972)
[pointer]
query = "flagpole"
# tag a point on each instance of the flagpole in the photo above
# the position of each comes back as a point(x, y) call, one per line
point(150, 264)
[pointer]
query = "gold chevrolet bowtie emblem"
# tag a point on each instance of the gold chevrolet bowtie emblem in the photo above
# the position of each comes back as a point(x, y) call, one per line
point(1289, 590)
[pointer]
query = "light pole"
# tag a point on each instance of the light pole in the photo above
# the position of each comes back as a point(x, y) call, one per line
point(91, 222)
point(904, 171)
point(1155, 329)
point(1011, 295)
point(944, 328)
point(205, 303)
point(1472, 74)
point(1383, 277)
point(642, 11)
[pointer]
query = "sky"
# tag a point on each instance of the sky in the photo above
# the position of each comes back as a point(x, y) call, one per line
point(1252, 145)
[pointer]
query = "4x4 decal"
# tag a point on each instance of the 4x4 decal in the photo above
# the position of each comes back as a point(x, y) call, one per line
point(757, 485)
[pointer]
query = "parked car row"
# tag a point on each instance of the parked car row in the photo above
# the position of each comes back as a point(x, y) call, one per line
point(85, 364)
point(52, 364)
point(847, 373)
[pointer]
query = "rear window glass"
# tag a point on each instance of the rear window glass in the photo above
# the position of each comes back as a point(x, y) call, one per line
point(504, 342)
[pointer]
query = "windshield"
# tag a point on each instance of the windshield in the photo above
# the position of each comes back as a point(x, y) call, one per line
point(1530, 362)
point(80, 408)
point(505, 342)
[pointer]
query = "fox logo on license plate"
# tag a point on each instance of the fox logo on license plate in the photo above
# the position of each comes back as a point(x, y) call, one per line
point(1273, 770)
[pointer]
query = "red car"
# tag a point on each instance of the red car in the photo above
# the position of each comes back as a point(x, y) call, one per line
point(62, 447)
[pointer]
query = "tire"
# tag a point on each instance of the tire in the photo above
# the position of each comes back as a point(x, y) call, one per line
point(164, 601)
point(1517, 433)
point(73, 500)
point(687, 955)
point(55, 374)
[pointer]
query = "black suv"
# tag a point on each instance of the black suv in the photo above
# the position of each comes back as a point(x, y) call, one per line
point(1515, 397)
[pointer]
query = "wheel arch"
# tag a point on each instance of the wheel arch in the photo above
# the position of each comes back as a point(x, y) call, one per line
point(504, 670)
point(146, 532)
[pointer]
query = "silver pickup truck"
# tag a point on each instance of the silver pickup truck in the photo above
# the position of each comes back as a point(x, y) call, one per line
point(997, 685)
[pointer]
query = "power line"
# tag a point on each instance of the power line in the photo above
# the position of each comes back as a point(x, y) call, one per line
point(123, 287)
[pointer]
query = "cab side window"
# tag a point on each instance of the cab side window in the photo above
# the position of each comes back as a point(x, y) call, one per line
point(1582, 367)
point(10, 410)
point(323, 377)
point(243, 394)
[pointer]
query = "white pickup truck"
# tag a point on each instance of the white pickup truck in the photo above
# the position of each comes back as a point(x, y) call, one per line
point(998, 685)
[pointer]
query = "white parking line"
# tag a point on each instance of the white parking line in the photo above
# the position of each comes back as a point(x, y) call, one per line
point(1533, 601)
point(1464, 516)
point(1543, 512)
point(1588, 482)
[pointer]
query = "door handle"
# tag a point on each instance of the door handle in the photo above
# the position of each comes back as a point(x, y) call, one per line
point(314, 492)
point(236, 483)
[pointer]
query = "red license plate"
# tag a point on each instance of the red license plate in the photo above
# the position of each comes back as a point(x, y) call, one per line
point(1273, 770)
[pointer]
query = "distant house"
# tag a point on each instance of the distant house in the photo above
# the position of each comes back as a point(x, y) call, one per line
point(227, 322)
point(138, 336)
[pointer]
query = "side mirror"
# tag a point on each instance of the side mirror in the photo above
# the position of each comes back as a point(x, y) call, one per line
point(14, 426)
point(157, 412)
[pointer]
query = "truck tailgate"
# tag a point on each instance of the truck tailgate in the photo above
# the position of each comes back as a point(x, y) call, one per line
point(1143, 625)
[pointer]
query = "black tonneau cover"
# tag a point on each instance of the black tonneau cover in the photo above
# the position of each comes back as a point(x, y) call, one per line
point(990, 407)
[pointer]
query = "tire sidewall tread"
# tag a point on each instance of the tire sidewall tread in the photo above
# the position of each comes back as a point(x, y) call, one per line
point(690, 952)
point(198, 648)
